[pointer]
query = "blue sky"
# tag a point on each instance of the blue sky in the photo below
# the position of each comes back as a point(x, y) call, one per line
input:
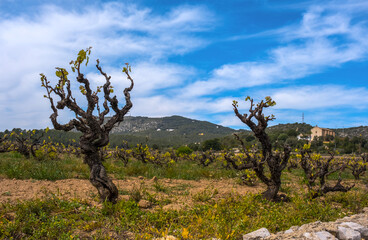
point(192, 58)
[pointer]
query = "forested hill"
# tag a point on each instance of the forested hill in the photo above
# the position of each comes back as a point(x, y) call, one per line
point(167, 131)
point(176, 124)
point(361, 131)
point(298, 127)
point(171, 131)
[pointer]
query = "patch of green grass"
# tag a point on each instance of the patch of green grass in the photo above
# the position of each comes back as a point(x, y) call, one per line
point(344, 175)
point(137, 192)
point(51, 218)
point(13, 165)
point(75, 167)
point(180, 170)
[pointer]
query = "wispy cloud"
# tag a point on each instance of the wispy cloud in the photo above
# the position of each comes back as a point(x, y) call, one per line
point(150, 78)
point(322, 39)
point(330, 104)
point(322, 96)
point(161, 105)
point(31, 44)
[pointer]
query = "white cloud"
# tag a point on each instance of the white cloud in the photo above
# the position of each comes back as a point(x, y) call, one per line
point(115, 29)
point(160, 106)
point(230, 120)
point(331, 104)
point(50, 37)
point(321, 99)
point(323, 96)
point(149, 78)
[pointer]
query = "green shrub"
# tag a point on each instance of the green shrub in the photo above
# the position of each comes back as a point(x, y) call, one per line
point(183, 150)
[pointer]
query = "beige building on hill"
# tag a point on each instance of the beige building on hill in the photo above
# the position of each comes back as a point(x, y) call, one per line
point(321, 132)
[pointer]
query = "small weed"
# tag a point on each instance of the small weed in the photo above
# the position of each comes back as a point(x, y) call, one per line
point(151, 198)
point(137, 193)
point(205, 195)
point(159, 187)
point(285, 189)
point(90, 226)
point(6, 194)
point(108, 208)
point(186, 193)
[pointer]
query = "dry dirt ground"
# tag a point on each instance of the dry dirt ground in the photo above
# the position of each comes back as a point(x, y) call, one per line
point(175, 194)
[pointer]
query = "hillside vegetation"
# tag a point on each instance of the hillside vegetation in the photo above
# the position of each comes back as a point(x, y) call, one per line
point(177, 131)
point(361, 131)
point(167, 131)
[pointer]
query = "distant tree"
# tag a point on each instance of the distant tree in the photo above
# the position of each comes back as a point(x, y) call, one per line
point(292, 133)
point(276, 161)
point(249, 138)
point(329, 138)
point(292, 142)
point(282, 137)
point(193, 146)
point(183, 150)
point(95, 130)
point(213, 144)
point(316, 143)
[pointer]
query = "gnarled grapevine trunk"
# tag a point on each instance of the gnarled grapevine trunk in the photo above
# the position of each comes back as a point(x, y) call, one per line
point(99, 178)
point(271, 192)
point(90, 145)
point(276, 161)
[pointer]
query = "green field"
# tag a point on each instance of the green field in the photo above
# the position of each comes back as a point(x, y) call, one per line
point(211, 213)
